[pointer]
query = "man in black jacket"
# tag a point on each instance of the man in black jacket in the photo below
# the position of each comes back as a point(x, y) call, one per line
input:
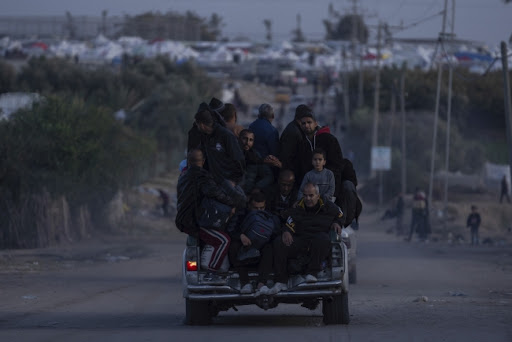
point(307, 229)
point(291, 142)
point(216, 108)
point(283, 196)
point(223, 153)
point(320, 137)
point(194, 184)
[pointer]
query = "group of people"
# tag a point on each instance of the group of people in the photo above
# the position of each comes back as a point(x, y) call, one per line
point(260, 198)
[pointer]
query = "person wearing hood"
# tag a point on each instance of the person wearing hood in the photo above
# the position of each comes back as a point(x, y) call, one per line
point(215, 107)
point(224, 156)
point(316, 136)
point(290, 144)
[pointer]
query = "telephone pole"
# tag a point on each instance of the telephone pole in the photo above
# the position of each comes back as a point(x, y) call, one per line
point(375, 133)
point(402, 111)
point(508, 105)
point(436, 113)
point(449, 113)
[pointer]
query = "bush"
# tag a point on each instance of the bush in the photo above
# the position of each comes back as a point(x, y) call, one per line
point(68, 148)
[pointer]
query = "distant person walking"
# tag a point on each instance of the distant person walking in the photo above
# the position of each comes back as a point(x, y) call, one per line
point(504, 189)
point(419, 221)
point(473, 222)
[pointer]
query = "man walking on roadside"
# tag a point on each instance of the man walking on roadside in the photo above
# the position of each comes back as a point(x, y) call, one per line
point(473, 222)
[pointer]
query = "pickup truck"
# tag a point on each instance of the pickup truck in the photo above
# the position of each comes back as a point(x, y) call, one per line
point(206, 296)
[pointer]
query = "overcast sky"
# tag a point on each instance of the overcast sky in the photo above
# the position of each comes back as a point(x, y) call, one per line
point(488, 21)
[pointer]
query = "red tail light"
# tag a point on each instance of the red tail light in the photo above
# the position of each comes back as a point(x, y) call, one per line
point(191, 265)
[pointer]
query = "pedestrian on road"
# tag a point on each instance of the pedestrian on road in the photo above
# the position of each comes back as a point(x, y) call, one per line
point(504, 189)
point(419, 221)
point(473, 222)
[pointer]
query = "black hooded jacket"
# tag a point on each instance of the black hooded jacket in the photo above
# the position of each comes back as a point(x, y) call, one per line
point(334, 156)
point(223, 154)
point(194, 184)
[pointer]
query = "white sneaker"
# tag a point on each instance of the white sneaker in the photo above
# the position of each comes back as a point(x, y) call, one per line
point(263, 290)
point(278, 287)
point(311, 279)
point(246, 289)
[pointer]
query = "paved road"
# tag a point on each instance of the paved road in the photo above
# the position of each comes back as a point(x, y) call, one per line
point(405, 292)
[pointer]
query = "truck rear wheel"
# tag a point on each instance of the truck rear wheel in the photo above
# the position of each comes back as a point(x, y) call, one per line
point(336, 310)
point(197, 312)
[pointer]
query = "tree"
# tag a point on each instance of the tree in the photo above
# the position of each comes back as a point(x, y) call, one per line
point(173, 25)
point(298, 36)
point(103, 29)
point(341, 27)
point(70, 25)
point(212, 30)
point(268, 29)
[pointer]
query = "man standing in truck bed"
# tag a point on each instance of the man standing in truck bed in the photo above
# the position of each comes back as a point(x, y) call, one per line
point(307, 229)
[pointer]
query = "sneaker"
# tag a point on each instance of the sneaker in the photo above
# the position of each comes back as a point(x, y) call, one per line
point(263, 290)
point(278, 287)
point(246, 289)
point(322, 274)
point(311, 279)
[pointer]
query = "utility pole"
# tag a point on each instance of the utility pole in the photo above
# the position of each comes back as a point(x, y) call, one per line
point(436, 114)
point(508, 105)
point(389, 141)
point(357, 53)
point(375, 133)
point(403, 177)
point(346, 100)
point(449, 114)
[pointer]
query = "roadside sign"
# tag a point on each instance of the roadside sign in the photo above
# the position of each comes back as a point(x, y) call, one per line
point(381, 158)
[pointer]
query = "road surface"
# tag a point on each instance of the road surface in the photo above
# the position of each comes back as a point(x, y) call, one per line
point(129, 289)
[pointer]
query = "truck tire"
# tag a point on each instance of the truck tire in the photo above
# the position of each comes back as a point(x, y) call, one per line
point(197, 312)
point(336, 311)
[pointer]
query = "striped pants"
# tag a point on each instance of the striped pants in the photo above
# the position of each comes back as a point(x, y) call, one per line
point(220, 242)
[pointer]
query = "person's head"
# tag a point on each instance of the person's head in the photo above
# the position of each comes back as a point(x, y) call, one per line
point(216, 105)
point(308, 124)
point(229, 113)
point(257, 201)
point(473, 208)
point(266, 111)
point(195, 157)
point(285, 182)
point(246, 138)
point(311, 195)
point(301, 111)
point(204, 119)
point(319, 159)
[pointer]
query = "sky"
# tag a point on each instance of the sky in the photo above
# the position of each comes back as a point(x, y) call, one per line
point(486, 21)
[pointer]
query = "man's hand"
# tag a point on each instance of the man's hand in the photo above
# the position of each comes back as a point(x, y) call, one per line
point(245, 240)
point(336, 227)
point(287, 238)
point(273, 160)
